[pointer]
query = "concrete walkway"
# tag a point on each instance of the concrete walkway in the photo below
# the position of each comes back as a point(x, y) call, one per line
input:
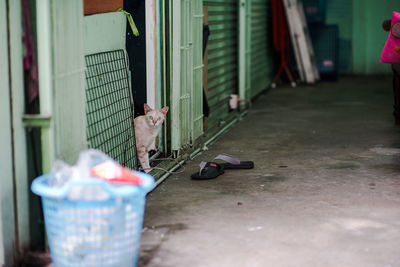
point(325, 190)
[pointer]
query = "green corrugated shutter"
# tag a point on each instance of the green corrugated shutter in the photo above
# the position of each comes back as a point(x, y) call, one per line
point(261, 69)
point(222, 57)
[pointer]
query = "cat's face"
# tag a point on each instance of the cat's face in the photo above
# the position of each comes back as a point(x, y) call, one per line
point(155, 117)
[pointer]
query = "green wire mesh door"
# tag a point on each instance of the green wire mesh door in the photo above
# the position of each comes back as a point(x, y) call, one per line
point(109, 108)
point(185, 117)
point(197, 70)
point(191, 64)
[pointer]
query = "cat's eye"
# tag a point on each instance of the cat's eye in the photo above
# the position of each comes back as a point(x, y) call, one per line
point(151, 117)
point(159, 118)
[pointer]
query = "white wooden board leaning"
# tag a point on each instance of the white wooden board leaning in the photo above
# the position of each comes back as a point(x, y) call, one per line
point(301, 41)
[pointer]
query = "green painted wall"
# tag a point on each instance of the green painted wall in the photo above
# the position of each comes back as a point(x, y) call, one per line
point(361, 38)
point(19, 132)
point(104, 32)
point(368, 36)
point(7, 223)
point(69, 100)
point(340, 12)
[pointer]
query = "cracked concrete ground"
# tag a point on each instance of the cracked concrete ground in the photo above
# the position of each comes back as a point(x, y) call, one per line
point(325, 190)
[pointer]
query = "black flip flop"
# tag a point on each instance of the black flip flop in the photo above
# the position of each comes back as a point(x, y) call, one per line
point(241, 165)
point(209, 170)
point(234, 163)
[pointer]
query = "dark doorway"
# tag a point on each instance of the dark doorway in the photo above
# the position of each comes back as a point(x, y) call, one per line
point(136, 48)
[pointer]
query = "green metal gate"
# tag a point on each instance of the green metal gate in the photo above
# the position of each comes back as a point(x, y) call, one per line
point(261, 66)
point(186, 73)
point(197, 67)
point(224, 60)
point(222, 57)
point(191, 71)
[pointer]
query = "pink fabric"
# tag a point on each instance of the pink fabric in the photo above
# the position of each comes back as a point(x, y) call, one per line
point(30, 63)
point(391, 50)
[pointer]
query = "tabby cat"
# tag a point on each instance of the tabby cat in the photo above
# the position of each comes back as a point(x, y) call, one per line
point(146, 130)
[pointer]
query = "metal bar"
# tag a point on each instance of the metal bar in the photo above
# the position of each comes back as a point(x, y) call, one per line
point(14, 207)
point(164, 66)
point(165, 176)
point(20, 160)
point(198, 118)
point(159, 70)
point(34, 120)
point(189, 33)
point(242, 48)
point(175, 44)
point(198, 67)
point(45, 80)
point(151, 52)
point(7, 223)
point(158, 153)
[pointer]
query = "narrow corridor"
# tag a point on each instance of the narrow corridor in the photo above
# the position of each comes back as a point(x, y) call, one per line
point(325, 190)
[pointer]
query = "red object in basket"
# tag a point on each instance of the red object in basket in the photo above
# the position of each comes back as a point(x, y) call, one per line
point(115, 173)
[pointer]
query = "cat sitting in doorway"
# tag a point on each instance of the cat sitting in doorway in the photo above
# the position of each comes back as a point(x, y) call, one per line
point(147, 127)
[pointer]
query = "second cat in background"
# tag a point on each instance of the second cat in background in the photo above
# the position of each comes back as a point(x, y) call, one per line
point(147, 127)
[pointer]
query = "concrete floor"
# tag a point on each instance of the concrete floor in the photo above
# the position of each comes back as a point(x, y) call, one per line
point(325, 190)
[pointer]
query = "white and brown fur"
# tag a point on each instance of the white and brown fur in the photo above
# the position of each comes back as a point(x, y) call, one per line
point(146, 130)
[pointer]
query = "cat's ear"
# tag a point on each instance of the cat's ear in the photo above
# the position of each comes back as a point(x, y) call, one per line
point(164, 110)
point(147, 108)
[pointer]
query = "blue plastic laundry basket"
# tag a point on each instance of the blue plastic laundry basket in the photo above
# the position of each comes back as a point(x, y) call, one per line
point(91, 222)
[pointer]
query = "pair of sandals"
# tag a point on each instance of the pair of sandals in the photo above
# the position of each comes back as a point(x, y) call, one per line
point(212, 169)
